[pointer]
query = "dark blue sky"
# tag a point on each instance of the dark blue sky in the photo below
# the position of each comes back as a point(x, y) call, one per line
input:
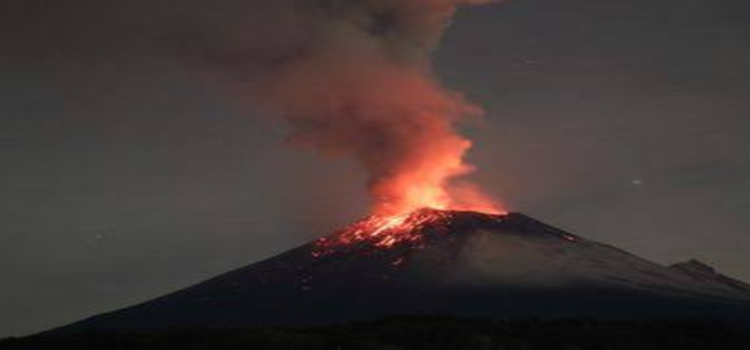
point(126, 172)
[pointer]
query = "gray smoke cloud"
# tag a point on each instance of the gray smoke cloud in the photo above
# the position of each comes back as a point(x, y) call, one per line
point(354, 80)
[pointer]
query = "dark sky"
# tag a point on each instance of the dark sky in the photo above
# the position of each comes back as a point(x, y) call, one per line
point(126, 172)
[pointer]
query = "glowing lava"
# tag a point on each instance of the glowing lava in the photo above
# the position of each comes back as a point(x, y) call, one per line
point(385, 232)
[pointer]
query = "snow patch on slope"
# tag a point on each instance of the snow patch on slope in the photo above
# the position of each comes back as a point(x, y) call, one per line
point(513, 259)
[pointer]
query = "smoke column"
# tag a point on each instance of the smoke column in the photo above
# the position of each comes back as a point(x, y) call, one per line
point(354, 80)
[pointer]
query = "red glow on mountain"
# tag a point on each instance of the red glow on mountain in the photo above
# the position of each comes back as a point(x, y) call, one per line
point(385, 232)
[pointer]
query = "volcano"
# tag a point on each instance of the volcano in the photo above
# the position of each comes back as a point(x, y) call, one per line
point(466, 264)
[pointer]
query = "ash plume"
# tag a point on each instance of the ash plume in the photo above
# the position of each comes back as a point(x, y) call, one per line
point(354, 80)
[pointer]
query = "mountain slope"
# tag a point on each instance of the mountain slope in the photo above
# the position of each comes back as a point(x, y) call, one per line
point(707, 275)
point(461, 263)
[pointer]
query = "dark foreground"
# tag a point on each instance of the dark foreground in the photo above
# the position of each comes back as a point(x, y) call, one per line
point(433, 333)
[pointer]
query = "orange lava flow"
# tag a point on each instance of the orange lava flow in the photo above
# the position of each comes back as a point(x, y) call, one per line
point(385, 232)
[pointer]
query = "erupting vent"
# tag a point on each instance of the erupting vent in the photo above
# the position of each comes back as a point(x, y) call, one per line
point(385, 232)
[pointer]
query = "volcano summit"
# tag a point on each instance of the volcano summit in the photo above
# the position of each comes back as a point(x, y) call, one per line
point(440, 262)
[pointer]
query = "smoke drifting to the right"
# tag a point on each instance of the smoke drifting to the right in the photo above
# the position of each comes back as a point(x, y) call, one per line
point(354, 80)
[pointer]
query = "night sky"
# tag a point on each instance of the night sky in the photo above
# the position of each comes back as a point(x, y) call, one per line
point(127, 171)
